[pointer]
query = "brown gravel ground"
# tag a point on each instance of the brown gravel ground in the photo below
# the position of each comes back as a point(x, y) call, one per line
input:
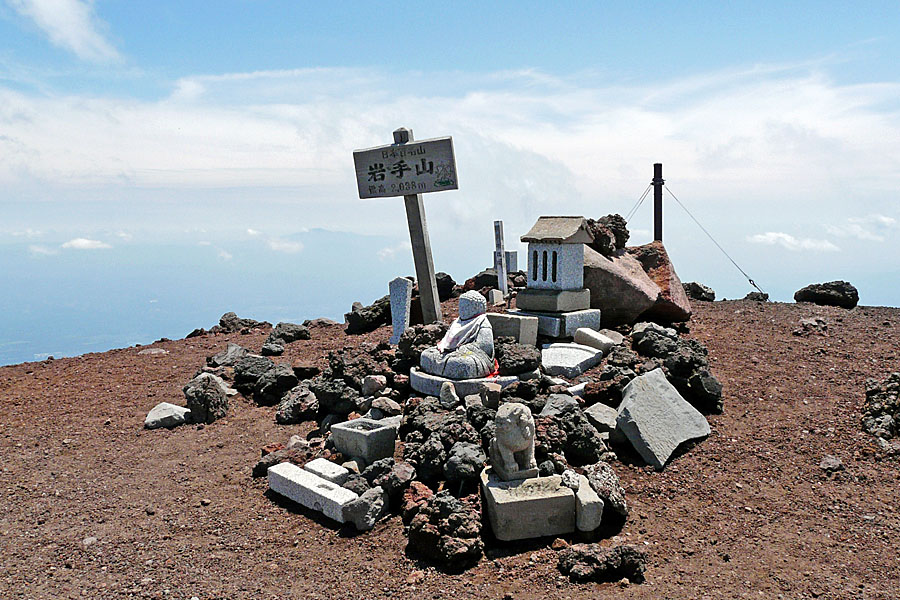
point(175, 514)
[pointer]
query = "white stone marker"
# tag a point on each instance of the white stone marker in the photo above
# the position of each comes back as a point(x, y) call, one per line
point(401, 299)
point(328, 470)
point(512, 261)
point(500, 258)
point(310, 490)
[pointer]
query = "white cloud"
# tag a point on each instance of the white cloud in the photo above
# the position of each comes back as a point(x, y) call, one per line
point(28, 233)
point(869, 228)
point(286, 246)
point(40, 250)
point(224, 254)
point(125, 236)
point(389, 252)
point(70, 24)
point(253, 232)
point(86, 244)
point(792, 243)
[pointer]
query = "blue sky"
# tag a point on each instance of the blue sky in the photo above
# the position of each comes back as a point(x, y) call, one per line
point(228, 128)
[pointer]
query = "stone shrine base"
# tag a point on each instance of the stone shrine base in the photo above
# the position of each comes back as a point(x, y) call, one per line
point(528, 508)
point(563, 324)
point(430, 385)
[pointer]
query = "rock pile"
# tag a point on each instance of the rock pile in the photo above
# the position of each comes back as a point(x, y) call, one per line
point(698, 291)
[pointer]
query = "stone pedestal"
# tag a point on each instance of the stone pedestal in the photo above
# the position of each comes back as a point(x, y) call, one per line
point(563, 324)
point(553, 300)
point(528, 508)
point(430, 385)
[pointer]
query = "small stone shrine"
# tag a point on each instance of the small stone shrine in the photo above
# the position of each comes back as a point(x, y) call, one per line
point(519, 503)
point(555, 292)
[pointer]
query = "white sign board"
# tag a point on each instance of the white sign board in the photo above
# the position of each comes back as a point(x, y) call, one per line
point(404, 169)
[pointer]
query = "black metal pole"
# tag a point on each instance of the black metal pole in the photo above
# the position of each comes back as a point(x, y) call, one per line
point(658, 182)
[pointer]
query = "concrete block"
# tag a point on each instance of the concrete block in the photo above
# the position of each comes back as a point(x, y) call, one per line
point(553, 300)
point(365, 438)
point(569, 360)
point(310, 490)
point(495, 298)
point(588, 506)
point(430, 385)
point(528, 508)
point(563, 325)
point(602, 417)
point(401, 300)
point(656, 419)
point(327, 470)
point(594, 339)
point(524, 329)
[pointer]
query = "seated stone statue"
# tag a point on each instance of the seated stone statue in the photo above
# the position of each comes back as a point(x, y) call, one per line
point(512, 448)
point(467, 350)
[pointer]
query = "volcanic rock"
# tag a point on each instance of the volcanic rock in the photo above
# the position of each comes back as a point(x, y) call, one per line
point(591, 562)
point(297, 405)
point(363, 319)
point(698, 291)
point(447, 530)
point(619, 286)
point(206, 399)
point(833, 293)
point(672, 304)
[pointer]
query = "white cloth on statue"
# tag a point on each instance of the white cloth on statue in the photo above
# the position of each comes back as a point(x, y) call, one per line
point(462, 332)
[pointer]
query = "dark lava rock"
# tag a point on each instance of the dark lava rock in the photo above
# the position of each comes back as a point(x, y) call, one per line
point(206, 399)
point(447, 530)
point(606, 483)
point(608, 390)
point(655, 345)
point(363, 319)
point(248, 370)
point(620, 356)
point(356, 483)
point(274, 383)
point(485, 279)
point(610, 234)
point(698, 291)
point(445, 285)
point(305, 370)
point(520, 391)
point(416, 339)
point(231, 323)
point(227, 357)
point(196, 333)
point(298, 456)
point(881, 417)
point(757, 297)
point(377, 469)
point(334, 395)
point(297, 405)
point(591, 562)
point(285, 333)
point(515, 358)
point(353, 364)
point(464, 462)
point(395, 481)
point(833, 293)
point(272, 349)
point(428, 457)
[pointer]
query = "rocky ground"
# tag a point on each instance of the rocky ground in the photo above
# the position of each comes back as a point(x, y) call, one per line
point(95, 506)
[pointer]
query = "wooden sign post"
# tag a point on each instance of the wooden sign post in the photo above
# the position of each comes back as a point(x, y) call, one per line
point(410, 169)
point(500, 258)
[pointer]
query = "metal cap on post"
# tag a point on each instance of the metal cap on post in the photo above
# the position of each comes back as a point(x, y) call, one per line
point(421, 246)
point(658, 182)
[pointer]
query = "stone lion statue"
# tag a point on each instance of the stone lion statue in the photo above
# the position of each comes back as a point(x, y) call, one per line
point(512, 448)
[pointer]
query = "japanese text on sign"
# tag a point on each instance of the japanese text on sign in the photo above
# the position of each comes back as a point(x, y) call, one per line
point(403, 169)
